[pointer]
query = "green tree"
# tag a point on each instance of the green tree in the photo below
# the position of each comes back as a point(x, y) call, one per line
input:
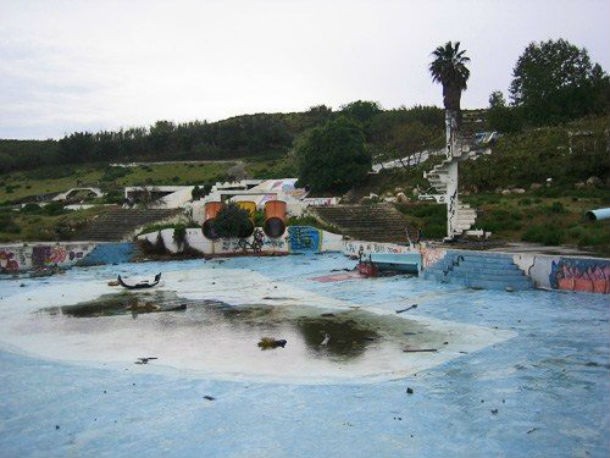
point(333, 157)
point(449, 69)
point(554, 81)
point(362, 111)
point(233, 222)
point(500, 116)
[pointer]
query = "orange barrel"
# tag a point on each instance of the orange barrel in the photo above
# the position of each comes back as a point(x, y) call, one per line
point(211, 209)
point(250, 207)
point(275, 218)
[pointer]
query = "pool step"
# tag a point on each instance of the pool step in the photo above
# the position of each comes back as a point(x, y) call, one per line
point(479, 270)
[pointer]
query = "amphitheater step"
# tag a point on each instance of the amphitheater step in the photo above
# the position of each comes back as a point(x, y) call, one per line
point(117, 224)
point(375, 223)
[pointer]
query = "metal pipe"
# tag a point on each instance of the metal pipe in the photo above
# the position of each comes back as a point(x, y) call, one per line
point(600, 213)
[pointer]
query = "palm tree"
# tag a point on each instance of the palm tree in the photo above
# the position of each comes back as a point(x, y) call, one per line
point(449, 69)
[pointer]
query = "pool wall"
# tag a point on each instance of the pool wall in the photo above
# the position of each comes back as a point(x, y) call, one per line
point(295, 239)
point(569, 273)
point(27, 256)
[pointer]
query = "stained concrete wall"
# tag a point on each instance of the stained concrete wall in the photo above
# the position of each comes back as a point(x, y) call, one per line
point(296, 239)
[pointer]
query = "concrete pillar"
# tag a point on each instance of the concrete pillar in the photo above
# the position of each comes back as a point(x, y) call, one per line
point(451, 197)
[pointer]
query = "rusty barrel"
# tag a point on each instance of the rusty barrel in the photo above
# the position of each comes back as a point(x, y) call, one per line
point(211, 209)
point(275, 218)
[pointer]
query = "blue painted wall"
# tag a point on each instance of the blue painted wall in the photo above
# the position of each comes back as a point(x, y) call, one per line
point(304, 239)
point(109, 253)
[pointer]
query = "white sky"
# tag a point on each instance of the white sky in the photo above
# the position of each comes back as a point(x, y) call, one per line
point(70, 66)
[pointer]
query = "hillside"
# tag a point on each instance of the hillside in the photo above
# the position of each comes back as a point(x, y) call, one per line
point(535, 186)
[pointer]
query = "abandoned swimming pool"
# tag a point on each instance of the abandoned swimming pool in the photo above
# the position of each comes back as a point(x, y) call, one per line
point(87, 370)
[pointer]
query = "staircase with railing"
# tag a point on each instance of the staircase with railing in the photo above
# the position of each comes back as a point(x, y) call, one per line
point(466, 145)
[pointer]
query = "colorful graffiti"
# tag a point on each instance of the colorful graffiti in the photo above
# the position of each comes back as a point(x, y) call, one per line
point(44, 255)
point(8, 262)
point(304, 238)
point(50, 255)
point(586, 275)
point(14, 259)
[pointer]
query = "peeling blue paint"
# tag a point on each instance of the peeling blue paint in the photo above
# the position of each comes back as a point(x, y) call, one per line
point(544, 392)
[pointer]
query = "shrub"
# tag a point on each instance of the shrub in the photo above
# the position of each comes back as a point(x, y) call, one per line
point(8, 224)
point(556, 207)
point(501, 219)
point(549, 235)
point(232, 221)
point(179, 235)
point(31, 208)
point(53, 209)
point(112, 173)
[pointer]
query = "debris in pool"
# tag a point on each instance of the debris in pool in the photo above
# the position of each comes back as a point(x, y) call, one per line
point(270, 342)
point(209, 398)
point(410, 307)
point(494, 411)
point(145, 360)
point(418, 350)
point(145, 307)
point(410, 390)
point(325, 340)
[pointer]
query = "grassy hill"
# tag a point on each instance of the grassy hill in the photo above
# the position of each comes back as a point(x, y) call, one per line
point(536, 186)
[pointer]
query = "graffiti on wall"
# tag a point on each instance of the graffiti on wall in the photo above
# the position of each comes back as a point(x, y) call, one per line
point(18, 258)
point(586, 275)
point(304, 238)
point(356, 248)
point(257, 244)
point(50, 255)
point(8, 261)
point(431, 256)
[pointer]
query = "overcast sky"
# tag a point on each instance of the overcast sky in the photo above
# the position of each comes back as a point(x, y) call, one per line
point(69, 66)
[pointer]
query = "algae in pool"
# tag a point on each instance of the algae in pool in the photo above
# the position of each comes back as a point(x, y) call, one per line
point(334, 335)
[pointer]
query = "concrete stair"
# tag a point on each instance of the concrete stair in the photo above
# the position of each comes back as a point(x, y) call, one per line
point(374, 223)
point(479, 270)
point(118, 224)
point(466, 150)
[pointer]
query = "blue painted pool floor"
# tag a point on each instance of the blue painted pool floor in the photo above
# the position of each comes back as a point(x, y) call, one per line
point(544, 392)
